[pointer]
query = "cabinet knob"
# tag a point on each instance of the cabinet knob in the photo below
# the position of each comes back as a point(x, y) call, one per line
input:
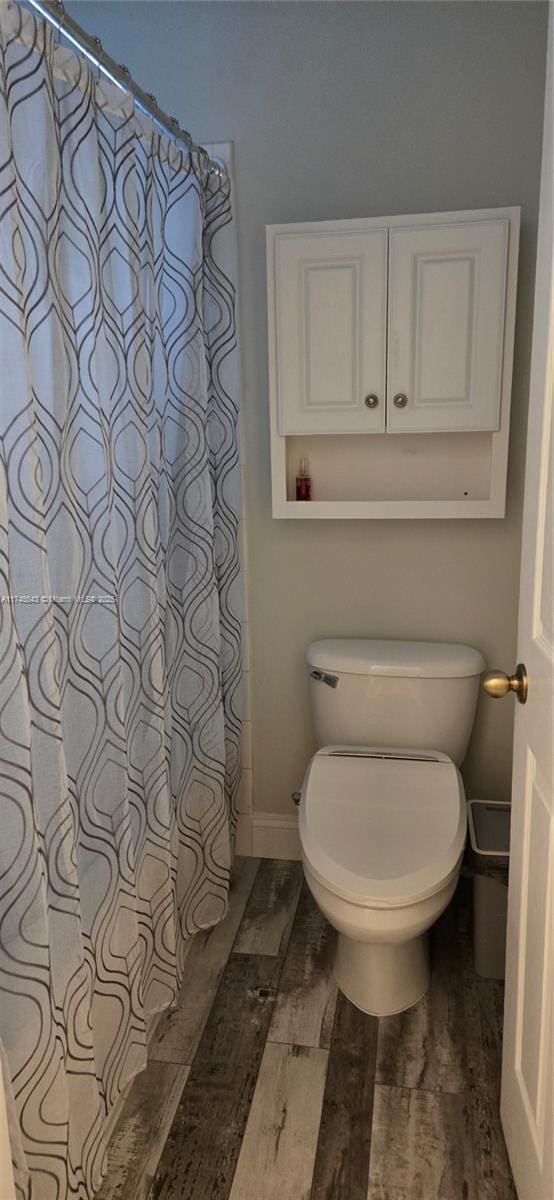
point(371, 401)
point(400, 400)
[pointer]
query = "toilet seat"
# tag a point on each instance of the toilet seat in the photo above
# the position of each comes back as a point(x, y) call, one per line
point(382, 828)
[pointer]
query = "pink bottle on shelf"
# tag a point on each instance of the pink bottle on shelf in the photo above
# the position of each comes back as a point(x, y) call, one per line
point(303, 481)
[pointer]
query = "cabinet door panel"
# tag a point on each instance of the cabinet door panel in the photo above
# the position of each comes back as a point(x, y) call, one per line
point(330, 304)
point(446, 322)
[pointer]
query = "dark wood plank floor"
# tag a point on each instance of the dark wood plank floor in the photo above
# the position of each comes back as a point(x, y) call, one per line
point(266, 1084)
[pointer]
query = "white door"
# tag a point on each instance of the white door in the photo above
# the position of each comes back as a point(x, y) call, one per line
point(447, 290)
point(527, 1078)
point(330, 313)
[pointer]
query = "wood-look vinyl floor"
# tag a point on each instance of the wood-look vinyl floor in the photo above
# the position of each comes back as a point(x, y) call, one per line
point(265, 1083)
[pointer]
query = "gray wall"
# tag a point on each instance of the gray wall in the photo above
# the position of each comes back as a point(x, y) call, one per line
point(345, 110)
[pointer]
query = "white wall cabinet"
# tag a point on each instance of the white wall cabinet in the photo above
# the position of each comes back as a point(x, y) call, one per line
point(447, 295)
point(393, 326)
point(331, 317)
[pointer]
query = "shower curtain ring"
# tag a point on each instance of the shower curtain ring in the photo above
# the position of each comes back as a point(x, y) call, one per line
point(181, 133)
point(60, 14)
point(98, 50)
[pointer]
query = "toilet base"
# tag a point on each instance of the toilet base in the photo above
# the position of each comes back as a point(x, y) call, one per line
point(382, 978)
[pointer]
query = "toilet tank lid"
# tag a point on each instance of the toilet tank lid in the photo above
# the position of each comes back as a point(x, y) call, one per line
point(419, 660)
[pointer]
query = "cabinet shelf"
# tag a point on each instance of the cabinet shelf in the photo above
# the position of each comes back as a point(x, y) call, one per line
point(381, 510)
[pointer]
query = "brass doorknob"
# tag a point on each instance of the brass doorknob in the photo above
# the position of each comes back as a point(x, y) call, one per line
point(498, 683)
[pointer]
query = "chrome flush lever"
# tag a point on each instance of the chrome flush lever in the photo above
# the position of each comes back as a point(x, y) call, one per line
point(323, 677)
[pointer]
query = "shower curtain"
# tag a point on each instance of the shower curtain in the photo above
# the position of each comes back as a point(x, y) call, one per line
point(119, 597)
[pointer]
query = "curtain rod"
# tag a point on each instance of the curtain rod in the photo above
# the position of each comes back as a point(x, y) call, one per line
point(54, 12)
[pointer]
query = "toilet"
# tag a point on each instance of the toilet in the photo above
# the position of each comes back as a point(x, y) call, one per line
point(382, 815)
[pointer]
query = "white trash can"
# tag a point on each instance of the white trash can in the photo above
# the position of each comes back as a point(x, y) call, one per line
point(489, 836)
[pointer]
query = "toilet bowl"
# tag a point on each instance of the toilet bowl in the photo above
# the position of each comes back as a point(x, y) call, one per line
point(382, 832)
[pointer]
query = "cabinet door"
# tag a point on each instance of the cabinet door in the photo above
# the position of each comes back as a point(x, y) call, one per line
point(447, 286)
point(330, 331)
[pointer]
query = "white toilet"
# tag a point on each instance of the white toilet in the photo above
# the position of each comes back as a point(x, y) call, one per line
point(382, 807)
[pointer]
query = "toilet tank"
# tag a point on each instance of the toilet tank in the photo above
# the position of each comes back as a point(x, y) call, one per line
point(420, 695)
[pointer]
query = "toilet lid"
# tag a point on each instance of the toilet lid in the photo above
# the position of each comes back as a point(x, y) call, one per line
point(382, 828)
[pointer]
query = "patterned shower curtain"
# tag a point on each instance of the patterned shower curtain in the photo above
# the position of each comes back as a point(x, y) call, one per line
point(119, 610)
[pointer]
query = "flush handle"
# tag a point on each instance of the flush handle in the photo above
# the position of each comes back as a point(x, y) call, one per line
point(498, 683)
point(323, 677)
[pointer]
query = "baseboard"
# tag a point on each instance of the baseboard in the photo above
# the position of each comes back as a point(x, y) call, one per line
point(243, 836)
point(275, 835)
point(115, 1112)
